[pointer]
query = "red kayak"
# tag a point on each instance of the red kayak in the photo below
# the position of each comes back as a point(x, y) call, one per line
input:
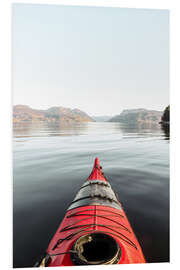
point(95, 229)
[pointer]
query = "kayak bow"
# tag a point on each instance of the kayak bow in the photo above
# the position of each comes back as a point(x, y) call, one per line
point(95, 229)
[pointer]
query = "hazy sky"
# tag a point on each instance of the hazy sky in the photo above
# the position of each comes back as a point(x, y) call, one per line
point(100, 60)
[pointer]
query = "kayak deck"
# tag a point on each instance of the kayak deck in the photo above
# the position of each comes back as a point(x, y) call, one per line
point(81, 221)
point(95, 229)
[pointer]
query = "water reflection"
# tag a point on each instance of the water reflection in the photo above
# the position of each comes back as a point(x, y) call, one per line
point(166, 130)
point(47, 129)
point(42, 129)
point(140, 130)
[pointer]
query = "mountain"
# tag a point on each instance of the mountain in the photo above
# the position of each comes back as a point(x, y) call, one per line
point(102, 118)
point(135, 116)
point(23, 113)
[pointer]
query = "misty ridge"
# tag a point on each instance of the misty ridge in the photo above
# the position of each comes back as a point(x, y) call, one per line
point(24, 113)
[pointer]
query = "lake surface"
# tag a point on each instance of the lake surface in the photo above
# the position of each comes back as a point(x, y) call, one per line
point(51, 162)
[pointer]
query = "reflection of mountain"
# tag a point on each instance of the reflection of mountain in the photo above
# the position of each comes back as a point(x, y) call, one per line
point(143, 129)
point(48, 129)
point(22, 113)
point(40, 129)
point(140, 116)
point(166, 130)
point(139, 128)
point(102, 118)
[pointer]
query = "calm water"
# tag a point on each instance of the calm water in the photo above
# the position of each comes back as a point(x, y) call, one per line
point(51, 162)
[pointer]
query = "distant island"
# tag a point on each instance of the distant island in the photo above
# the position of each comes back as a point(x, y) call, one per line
point(138, 116)
point(23, 113)
point(102, 118)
